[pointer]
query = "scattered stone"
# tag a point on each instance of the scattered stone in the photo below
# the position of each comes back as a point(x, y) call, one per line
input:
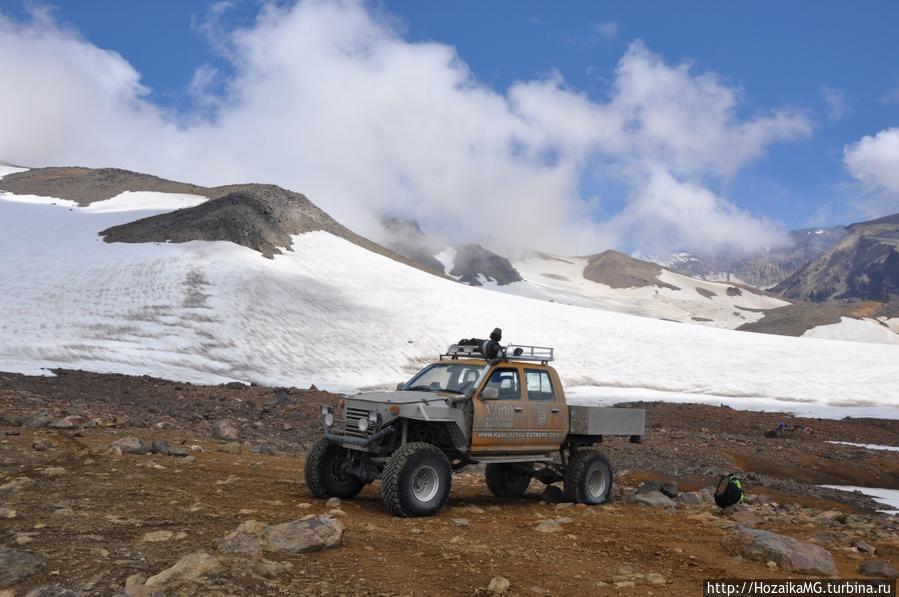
point(7, 513)
point(63, 512)
point(337, 512)
point(624, 584)
point(498, 586)
point(669, 488)
point(877, 568)
point(553, 494)
point(790, 554)
point(179, 452)
point(37, 421)
point(236, 385)
point(158, 536)
point(128, 445)
point(552, 525)
point(51, 591)
point(66, 423)
point(225, 429)
point(262, 449)
point(564, 506)
point(230, 448)
point(311, 533)
point(655, 499)
point(333, 502)
point(745, 516)
point(460, 522)
point(53, 471)
point(655, 578)
point(772, 565)
point(189, 568)
point(16, 484)
point(859, 545)
point(691, 498)
point(160, 446)
point(17, 565)
point(649, 487)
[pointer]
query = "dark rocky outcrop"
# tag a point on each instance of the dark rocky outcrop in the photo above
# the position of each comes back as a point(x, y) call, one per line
point(862, 266)
point(472, 260)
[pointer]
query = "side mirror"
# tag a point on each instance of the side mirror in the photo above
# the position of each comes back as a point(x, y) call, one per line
point(400, 386)
point(469, 393)
point(490, 394)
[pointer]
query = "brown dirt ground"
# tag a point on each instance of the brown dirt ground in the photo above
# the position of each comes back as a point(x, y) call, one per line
point(115, 500)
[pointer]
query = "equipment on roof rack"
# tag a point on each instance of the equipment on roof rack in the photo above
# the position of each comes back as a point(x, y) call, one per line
point(476, 348)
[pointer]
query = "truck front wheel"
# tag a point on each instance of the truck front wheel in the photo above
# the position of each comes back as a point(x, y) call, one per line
point(324, 472)
point(507, 480)
point(588, 477)
point(416, 480)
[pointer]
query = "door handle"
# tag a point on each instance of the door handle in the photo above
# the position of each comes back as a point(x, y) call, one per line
point(518, 409)
point(554, 410)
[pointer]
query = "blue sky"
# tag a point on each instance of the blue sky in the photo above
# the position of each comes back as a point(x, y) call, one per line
point(836, 63)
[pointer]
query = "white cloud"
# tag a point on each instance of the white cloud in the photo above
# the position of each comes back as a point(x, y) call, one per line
point(836, 103)
point(874, 162)
point(329, 99)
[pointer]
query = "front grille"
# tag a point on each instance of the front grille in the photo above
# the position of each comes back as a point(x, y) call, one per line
point(350, 425)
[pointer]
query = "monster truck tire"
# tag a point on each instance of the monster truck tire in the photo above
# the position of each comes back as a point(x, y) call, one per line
point(588, 477)
point(321, 472)
point(416, 480)
point(505, 480)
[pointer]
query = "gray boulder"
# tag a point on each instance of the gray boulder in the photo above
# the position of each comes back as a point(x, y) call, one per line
point(17, 565)
point(878, 568)
point(789, 554)
point(128, 445)
point(225, 429)
point(310, 533)
point(656, 499)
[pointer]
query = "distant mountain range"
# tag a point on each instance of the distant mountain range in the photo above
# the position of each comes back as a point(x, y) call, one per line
point(863, 265)
point(762, 270)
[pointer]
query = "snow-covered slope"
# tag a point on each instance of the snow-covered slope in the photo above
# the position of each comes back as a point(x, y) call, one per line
point(678, 298)
point(332, 313)
point(856, 330)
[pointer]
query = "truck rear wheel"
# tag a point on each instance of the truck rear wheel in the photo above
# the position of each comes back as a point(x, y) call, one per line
point(323, 472)
point(416, 480)
point(507, 480)
point(588, 477)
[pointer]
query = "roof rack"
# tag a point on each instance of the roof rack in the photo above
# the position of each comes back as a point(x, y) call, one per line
point(512, 352)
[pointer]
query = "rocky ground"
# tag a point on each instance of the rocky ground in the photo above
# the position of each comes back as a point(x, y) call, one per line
point(132, 485)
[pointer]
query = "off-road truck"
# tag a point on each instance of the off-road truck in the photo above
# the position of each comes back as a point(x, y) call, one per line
point(479, 403)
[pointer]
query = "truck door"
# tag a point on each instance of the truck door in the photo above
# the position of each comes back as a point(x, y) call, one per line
point(547, 412)
point(501, 424)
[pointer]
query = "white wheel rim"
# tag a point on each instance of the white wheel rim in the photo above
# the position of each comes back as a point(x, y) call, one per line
point(596, 483)
point(425, 484)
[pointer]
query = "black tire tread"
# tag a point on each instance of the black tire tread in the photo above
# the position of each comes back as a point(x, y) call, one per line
point(390, 477)
point(574, 473)
point(312, 469)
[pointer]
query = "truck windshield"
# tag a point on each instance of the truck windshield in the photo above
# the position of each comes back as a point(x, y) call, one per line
point(447, 377)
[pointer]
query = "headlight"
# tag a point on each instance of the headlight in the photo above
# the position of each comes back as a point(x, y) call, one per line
point(363, 425)
point(329, 419)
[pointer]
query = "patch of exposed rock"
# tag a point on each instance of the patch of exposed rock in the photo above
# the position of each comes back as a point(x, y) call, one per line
point(474, 261)
point(407, 238)
point(617, 270)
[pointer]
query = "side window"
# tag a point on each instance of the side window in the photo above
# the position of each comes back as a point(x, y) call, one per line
point(539, 385)
point(506, 381)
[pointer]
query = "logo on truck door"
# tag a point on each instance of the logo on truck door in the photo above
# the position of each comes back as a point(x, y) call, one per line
point(499, 416)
